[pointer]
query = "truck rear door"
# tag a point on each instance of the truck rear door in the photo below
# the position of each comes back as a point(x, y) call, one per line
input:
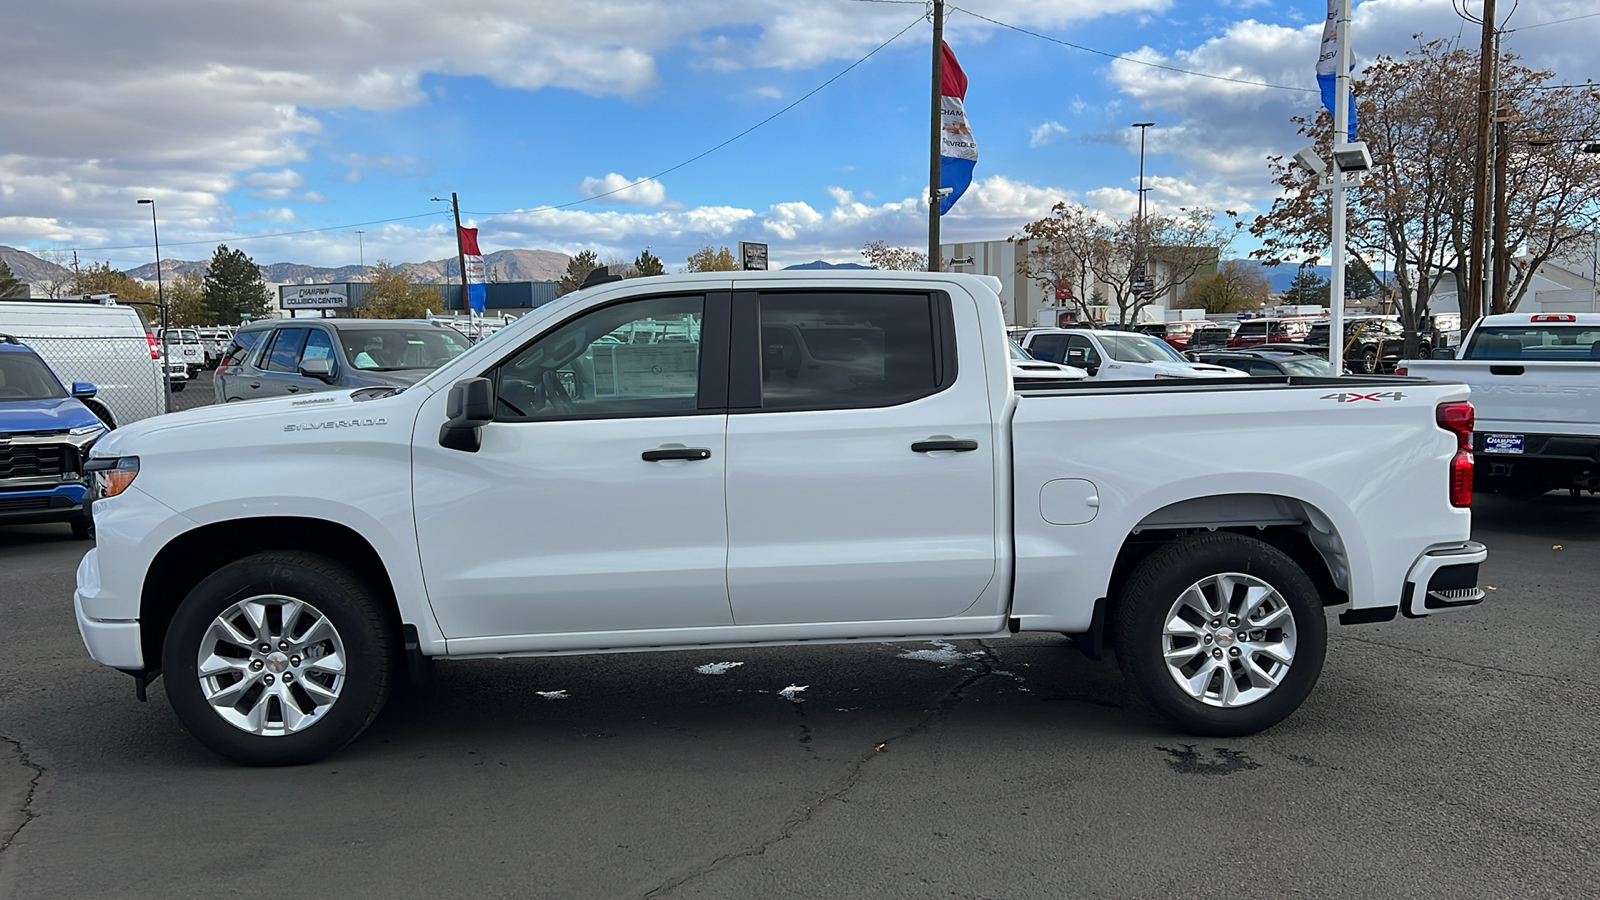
point(861, 473)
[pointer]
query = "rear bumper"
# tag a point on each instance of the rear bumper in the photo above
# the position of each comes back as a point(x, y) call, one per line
point(1441, 579)
point(1546, 461)
point(115, 643)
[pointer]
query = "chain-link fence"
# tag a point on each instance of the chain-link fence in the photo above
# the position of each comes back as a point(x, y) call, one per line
point(127, 380)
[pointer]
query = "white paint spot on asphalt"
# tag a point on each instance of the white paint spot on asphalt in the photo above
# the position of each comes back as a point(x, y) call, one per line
point(553, 695)
point(716, 668)
point(792, 693)
point(945, 655)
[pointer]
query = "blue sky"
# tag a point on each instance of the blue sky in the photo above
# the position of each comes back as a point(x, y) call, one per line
point(247, 121)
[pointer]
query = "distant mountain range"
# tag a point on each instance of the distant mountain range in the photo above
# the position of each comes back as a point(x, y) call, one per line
point(502, 265)
point(1282, 275)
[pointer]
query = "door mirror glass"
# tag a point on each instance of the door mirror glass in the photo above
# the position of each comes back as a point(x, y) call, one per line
point(83, 390)
point(468, 407)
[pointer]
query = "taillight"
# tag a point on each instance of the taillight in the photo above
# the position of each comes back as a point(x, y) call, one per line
point(155, 349)
point(1555, 317)
point(1458, 419)
point(1400, 370)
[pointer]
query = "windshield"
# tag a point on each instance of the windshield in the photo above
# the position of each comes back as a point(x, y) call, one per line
point(1017, 353)
point(1139, 348)
point(1547, 342)
point(1257, 328)
point(1311, 366)
point(399, 347)
point(24, 376)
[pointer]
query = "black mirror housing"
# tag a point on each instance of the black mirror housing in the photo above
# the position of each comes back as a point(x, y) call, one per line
point(1444, 353)
point(468, 407)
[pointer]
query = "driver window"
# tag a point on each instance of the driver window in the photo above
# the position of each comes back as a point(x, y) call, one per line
point(1080, 352)
point(641, 357)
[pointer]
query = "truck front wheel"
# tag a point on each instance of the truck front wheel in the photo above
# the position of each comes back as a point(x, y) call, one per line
point(278, 659)
point(1222, 633)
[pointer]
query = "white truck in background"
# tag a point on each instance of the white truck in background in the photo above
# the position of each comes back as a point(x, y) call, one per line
point(802, 458)
point(1535, 380)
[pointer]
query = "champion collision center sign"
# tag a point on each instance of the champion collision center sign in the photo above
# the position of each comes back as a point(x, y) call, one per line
point(313, 296)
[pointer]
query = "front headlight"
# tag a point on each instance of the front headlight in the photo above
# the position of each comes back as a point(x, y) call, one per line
point(85, 430)
point(110, 477)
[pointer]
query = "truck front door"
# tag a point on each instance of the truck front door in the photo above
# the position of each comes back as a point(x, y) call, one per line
point(861, 473)
point(596, 501)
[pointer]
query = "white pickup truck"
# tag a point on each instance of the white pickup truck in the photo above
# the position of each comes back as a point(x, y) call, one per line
point(764, 458)
point(1535, 381)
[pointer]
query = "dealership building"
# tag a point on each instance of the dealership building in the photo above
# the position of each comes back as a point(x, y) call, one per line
point(343, 300)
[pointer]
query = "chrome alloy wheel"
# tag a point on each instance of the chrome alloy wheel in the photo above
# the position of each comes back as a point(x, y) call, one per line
point(1229, 639)
point(271, 665)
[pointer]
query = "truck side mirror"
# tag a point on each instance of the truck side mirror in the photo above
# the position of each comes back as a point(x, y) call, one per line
point(321, 369)
point(83, 390)
point(469, 407)
point(1444, 353)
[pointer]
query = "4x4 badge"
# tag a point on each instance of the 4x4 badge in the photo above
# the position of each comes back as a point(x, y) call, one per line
point(1375, 396)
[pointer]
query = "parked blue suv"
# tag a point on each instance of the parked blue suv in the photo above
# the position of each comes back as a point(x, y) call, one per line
point(45, 435)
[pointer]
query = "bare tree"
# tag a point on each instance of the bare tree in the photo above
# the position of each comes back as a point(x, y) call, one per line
point(1415, 206)
point(1052, 265)
point(900, 259)
point(1139, 260)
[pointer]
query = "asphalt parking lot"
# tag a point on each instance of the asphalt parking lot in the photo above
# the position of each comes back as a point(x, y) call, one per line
point(1449, 757)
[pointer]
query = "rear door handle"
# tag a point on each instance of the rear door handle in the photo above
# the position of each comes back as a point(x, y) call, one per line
point(675, 453)
point(930, 446)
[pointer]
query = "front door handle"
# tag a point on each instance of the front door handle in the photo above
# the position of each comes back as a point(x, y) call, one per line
point(675, 453)
point(255, 384)
point(930, 446)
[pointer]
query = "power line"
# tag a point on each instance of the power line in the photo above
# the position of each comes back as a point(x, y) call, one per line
point(1132, 59)
point(704, 153)
point(1554, 22)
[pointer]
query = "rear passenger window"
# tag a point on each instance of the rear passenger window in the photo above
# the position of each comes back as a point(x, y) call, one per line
point(284, 354)
point(852, 350)
point(1049, 347)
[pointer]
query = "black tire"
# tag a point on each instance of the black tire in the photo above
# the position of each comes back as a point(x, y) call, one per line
point(349, 606)
point(1369, 361)
point(179, 385)
point(1155, 586)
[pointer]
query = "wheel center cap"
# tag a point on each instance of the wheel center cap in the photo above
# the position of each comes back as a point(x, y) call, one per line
point(1224, 638)
point(277, 663)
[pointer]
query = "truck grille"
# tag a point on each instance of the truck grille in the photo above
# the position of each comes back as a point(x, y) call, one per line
point(36, 460)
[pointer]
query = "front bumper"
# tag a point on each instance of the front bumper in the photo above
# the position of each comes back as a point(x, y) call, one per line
point(115, 643)
point(60, 502)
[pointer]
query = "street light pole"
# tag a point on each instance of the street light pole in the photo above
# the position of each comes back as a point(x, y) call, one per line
point(361, 250)
point(935, 130)
point(1141, 273)
point(161, 304)
point(1141, 126)
point(1341, 135)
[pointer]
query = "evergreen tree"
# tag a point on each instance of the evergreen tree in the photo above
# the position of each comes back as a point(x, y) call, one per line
point(1358, 282)
point(648, 264)
point(233, 287)
point(12, 286)
point(1307, 289)
point(578, 269)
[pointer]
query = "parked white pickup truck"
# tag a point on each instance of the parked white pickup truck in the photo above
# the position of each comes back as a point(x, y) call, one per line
point(764, 458)
point(1118, 355)
point(1535, 381)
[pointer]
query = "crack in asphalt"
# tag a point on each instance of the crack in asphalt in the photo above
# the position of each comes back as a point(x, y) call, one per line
point(28, 815)
point(1470, 665)
point(842, 784)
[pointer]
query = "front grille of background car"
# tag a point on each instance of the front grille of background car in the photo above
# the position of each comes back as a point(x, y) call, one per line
point(24, 503)
point(36, 460)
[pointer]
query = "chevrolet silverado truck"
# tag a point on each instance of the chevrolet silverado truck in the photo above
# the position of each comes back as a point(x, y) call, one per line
point(1535, 380)
point(755, 459)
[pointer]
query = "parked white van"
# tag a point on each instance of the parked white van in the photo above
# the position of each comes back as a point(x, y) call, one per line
point(101, 343)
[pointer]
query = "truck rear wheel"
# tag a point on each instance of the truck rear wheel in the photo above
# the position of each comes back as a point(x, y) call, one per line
point(1222, 633)
point(278, 659)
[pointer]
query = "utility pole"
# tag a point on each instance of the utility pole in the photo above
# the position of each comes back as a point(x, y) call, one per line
point(1341, 135)
point(935, 131)
point(461, 256)
point(1499, 258)
point(1480, 173)
point(1141, 265)
point(361, 250)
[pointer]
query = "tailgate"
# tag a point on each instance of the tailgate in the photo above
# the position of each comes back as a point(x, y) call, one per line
point(1525, 396)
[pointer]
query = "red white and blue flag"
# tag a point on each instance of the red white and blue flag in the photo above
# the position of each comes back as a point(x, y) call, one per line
point(477, 285)
point(958, 152)
point(1328, 67)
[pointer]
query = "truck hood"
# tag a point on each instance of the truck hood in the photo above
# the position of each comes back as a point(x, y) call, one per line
point(1190, 370)
point(310, 413)
point(30, 416)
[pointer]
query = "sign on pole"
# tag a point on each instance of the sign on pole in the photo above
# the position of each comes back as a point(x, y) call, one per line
point(314, 296)
point(753, 257)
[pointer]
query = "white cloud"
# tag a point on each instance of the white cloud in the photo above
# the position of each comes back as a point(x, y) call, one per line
point(614, 188)
point(1045, 133)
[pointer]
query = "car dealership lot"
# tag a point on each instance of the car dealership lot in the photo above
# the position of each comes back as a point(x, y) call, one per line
point(1450, 757)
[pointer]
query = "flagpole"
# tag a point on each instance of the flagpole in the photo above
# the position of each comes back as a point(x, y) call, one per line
point(1341, 135)
point(935, 123)
point(461, 256)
